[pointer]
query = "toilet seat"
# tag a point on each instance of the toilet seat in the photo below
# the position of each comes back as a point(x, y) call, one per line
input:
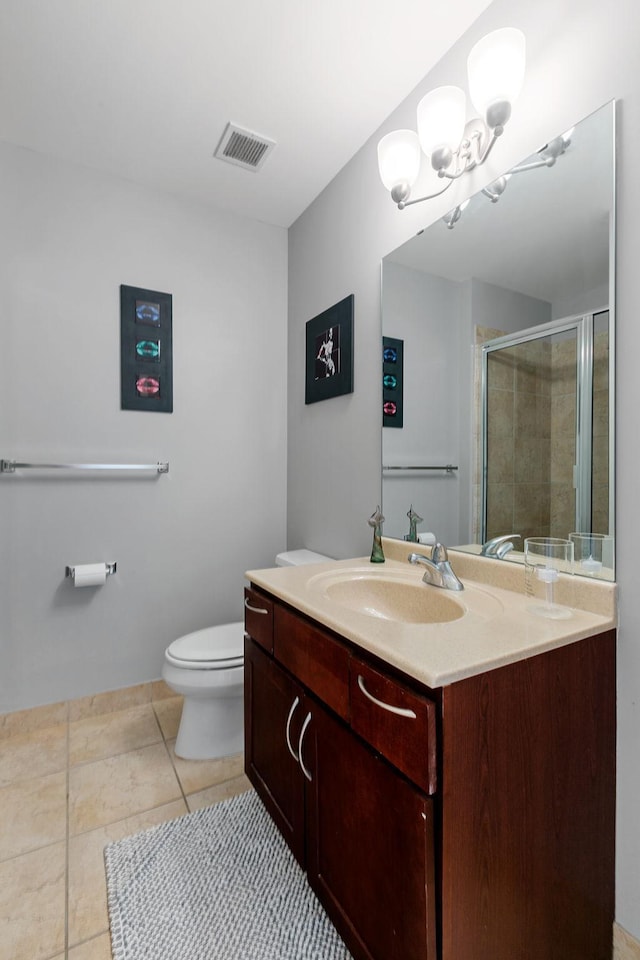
point(213, 648)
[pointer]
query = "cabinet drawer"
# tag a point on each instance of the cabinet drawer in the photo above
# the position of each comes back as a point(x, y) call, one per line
point(397, 722)
point(315, 659)
point(258, 618)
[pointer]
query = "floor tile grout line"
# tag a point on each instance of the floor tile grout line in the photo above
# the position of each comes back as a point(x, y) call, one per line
point(158, 721)
point(177, 775)
point(155, 713)
point(129, 816)
point(162, 738)
point(27, 853)
point(66, 846)
point(121, 753)
point(166, 741)
point(95, 936)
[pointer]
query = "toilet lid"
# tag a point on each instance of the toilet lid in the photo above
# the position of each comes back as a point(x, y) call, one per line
point(222, 645)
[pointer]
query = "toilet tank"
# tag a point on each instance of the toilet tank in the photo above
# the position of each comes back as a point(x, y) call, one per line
point(296, 558)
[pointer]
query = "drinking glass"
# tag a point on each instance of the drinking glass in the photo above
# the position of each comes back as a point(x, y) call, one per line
point(592, 552)
point(545, 558)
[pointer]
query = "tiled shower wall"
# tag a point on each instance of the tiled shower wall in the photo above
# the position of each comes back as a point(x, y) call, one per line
point(531, 438)
point(519, 428)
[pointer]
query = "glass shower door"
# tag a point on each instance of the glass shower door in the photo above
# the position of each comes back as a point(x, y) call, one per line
point(538, 472)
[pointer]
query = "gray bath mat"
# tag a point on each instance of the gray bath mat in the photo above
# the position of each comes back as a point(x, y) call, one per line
point(216, 884)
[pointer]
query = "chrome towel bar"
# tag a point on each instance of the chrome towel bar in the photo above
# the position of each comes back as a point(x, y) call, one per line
point(10, 466)
point(448, 467)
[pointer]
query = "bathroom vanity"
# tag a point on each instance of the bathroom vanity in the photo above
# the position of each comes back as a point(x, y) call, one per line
point(459, 812)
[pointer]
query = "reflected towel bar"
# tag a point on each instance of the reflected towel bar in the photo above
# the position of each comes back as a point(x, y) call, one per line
point(448, 467)
point(10, 466)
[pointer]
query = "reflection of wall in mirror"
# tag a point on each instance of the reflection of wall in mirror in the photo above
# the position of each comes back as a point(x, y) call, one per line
point(423, 311)
point(437, 320)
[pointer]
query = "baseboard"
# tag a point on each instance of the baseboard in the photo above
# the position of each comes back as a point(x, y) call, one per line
point(38, 718)
point(625, 947)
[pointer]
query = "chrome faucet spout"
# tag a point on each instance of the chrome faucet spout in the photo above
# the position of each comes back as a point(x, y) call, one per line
point(438, 571)
point(499, 547)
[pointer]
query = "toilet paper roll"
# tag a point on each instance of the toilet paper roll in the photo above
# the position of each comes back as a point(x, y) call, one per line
point(89, 574)
point(428, 538)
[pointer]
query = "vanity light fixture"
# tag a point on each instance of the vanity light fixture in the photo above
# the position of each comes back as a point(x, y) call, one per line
point(546, 157)
point(452, 217)
point(496, 74)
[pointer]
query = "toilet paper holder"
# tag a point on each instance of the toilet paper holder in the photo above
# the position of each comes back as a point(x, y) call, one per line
point(111, 569)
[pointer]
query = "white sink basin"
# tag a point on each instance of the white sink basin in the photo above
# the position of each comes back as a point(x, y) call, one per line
point(395, 600)
point(400, 596)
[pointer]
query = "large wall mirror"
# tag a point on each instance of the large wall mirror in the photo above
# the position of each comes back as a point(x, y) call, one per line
point(498, 336)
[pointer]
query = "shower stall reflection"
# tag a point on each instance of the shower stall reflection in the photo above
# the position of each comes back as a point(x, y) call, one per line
point(544, 438)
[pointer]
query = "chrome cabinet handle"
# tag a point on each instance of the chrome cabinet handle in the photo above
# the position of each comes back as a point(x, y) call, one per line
point(288, 729)
point(254, 609)
point(399, 711)
point(307, 721)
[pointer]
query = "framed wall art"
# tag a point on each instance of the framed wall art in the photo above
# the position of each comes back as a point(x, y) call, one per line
point(329, 352)
point(146, 361)
point(392, 382)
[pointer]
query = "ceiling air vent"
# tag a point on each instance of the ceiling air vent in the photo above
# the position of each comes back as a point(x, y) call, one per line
point(243, 147)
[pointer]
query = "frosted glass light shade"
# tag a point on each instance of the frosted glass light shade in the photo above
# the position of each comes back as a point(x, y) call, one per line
point(399, 158)
point(496, 67)
point(441, 119)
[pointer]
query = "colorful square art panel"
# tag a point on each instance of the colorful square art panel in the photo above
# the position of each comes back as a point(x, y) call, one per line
point(146, 367)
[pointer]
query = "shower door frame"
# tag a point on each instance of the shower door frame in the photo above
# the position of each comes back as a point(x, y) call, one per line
point(583, 325)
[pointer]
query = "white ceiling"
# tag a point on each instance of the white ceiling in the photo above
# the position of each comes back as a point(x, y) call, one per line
point(144, 88)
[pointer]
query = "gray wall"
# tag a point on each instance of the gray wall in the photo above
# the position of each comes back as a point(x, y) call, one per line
point(506, 310)
point(68, 238)
point(590, 300)
point(418, 308)
point(579, 56)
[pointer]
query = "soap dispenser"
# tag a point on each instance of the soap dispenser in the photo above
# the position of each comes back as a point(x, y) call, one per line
point(376, 520)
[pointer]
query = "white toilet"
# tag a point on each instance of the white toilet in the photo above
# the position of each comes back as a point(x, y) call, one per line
point(207, 668)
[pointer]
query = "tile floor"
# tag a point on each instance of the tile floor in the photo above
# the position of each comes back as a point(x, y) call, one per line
point(73, 778)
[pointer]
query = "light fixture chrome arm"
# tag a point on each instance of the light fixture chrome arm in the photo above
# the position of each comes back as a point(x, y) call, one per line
point(408, 203)
point(534, 165)
point(546, 157)
point(473, 151)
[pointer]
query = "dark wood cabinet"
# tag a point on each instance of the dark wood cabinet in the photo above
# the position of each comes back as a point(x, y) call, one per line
point(528, 821)
point(363, 832)
point(273, 712)
point(370, 847)
point(471, 822)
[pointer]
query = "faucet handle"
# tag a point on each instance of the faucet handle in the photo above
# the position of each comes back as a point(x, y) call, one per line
point(439, 552)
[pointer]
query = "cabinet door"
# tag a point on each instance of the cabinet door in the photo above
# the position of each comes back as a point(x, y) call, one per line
point(273, 717)
point(369, 846)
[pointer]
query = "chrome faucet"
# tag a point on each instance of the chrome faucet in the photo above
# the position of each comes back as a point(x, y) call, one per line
point(438, 572)
point(499, 547)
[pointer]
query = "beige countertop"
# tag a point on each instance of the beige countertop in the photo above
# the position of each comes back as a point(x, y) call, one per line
point(496, 625)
